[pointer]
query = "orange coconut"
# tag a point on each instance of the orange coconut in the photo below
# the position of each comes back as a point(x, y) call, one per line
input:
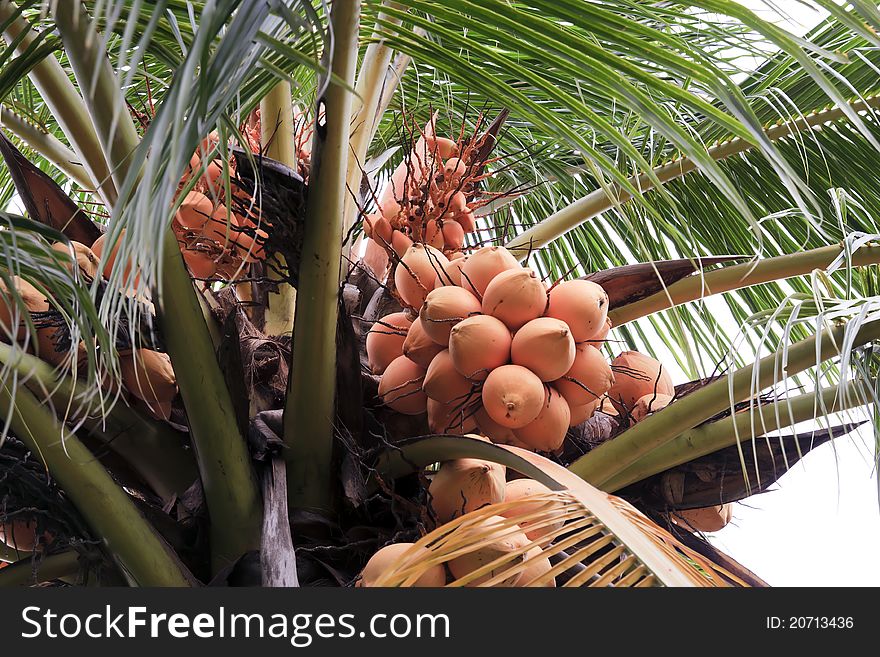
point(378, 228)
point(451, 274)
point(522, 489)
point(537, 565)
point(547, 431)
point(704, 519)
point(478, 345)
point(444, 147)
point(195, 211)
point(98, 248)
point(650, 403)
point(464, 485)
point(418, 347)
point(516, 297)
point(453, 235)
point(416, 272)
point(86, 259)
point(433, 234)
point(401, 387)
point(484, 265)
point(444, 307)
point(589, 377)
point(400, 243)
point(454, 169)
point(582, 413)
point(495, 432)
point(222, 227)
point(455, 417)
point(392, 556)
point(599, 339)
point(545, 346)
point(513, 396)
point(467, 219)
point(148, 375)
point(443, 382)
point(506, 545)
point(20, 534)
point(636, 375)
point(456, 204)
point(583, 305)
point(385, 340)
point(200, 264)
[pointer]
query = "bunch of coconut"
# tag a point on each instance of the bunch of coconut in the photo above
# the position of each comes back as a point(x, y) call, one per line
point(508, 540)
point(641, 387)
point(430, 199)
point(491, 347)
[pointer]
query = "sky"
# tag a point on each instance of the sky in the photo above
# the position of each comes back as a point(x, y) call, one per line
point(820, 524)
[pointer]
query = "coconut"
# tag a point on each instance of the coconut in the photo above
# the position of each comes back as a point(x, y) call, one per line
point(524, 488)
point(582, 413)
point(484, 265)
point(453, 235)
point(453, 169)
point(251, 249)
point(148, 375)
point(418, 347)
point(444, 147)
point(200, 264)
point(704, 519)
point(401, 387)
point(86, 260)
point(444, 307)
point(478, 345)
point(98, 248)
point(20, 534)
point(453, 204)
point(467, 220)
point(391, 556)
point(400, 243)
point(455, 417)
point(599, 339)
point(222, 228)
point(451, 274)
point(650, 403)
point(444, 383)
point(636, 375)
point(547, 431)
point(464, 485)
point(495, 432)
point(416, 273)
point(515, 296)
point(378, 228)
point(545, 346)
point(589, 377)
point(194, 212)
point(538, 566)
point(583, 305)
point(385, 340)
point(505, 542)
point(513, 396)
point(33, 300)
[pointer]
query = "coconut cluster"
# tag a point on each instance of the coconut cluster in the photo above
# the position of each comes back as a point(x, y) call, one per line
point(145, 373)
point(430, 198)
point(457, 488)
point(486, 345)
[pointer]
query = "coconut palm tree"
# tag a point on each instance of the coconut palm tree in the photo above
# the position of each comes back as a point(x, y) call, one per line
point(187, 404)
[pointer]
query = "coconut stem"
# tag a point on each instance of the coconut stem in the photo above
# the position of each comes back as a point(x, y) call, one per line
point(309, 412)
point(611, 458)
point(27, 572)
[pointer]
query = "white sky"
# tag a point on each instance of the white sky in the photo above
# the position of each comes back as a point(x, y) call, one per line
point(820, 525)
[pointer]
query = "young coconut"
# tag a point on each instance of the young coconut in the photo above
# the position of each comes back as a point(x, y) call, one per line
point(523, 489)
point(416, 272)
point(400, 243)
point(401, 387)
point(599, 339)
point(418, 347)
point(86, 260)
point(588, 379)
point(385, 340)
point(194, 212)
point(98, 248)
point(445, 384)
point(484, 265)
point(637, 375)
point(513, 396)
point(464, 485)
point(453, 417)
point(478, 345)
point(582, 413)
point(547, 431)
point(453, 235)
point(496, 433)
point(537, 565)
point(704, 519)
point(649, 404)
point(20, 534)
point(148, 375)
point(451, 274)
point(396, 555)
point(515, 296)
point(545, 346)
point(200, 264)
point(583, 305)
point(506, 545)
point(444, 307)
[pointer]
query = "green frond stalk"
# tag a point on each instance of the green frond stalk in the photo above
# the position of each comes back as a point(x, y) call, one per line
point(109, 113)
point(276, 114)
point(365, 117)
point(611, 458)
point(224, 463)
point(737, 277)
point(55, 566)
point(600, 200)
point(309, 412)
point(68, 108)
point(47, 146)
point(739, 427)
point(141, 553)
